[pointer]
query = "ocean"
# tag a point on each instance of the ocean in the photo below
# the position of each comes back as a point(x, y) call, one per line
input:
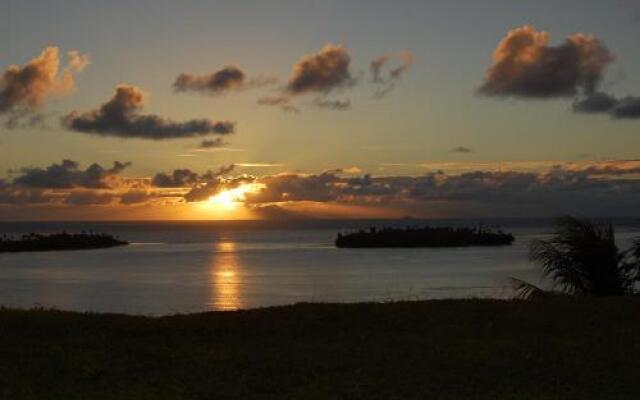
point(183, 267)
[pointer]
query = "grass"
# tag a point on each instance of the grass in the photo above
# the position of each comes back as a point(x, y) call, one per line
point(455, 349)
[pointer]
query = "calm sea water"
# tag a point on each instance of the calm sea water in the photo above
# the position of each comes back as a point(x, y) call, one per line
point(180, 267)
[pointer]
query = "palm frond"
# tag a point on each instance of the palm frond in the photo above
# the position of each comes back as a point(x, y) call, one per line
point(525, 290)
point(582, 259)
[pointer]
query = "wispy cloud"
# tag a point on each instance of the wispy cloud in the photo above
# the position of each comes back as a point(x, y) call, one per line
point(388, 80)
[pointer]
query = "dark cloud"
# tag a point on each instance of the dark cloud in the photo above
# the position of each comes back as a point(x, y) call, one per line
point(595, 103)
point(295, 187)
point(178, 178)
point(282, 101)
point(628, 107)
point(388, 81)
point(212, 143)
point(88, 197)
point(225, 80)
point(23, 89)
point(67, 174)
point(16, 195)
point(186, 178)
point(593, 187)
point(339, 105)
point(618, 108)
point(525, 65)
point(560, 189)
point(228, 79)
point(25, 119)
point(120, 117)
point(136, 196)
point(461, 149)
point(322, 72)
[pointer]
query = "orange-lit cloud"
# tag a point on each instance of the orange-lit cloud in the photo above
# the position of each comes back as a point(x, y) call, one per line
point(326, 70)
point(25, 88)
point(525, 65)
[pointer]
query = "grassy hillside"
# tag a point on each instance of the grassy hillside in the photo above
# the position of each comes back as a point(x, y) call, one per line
point(460, 349)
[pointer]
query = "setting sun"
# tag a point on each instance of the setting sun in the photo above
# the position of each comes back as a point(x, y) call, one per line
point(229, 199)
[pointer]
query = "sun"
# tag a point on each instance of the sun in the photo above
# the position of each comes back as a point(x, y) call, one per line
point(230, 199)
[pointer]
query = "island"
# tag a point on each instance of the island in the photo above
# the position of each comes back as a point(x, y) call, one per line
point(59, 241)
point(424, 237)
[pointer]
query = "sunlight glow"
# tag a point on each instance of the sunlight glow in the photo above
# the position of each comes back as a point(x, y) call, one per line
point(230, 199)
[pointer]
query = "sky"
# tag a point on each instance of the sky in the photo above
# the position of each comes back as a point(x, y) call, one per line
point(152, 109)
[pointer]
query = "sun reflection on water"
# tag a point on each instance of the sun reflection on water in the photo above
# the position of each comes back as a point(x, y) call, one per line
point(225, 278)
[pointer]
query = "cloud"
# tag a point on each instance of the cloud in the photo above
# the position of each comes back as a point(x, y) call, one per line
point(321, 72)
point(16, 195)
point(592, 189)
point(526, 66)
point(25, 119)
point(387, 82)
point(178, 178)
point(77, 61)
point(212, 143)
point(282, 101)
point(88, 197)
point(136, 196)
point(376, 65)
point(213, 181)
point(225, 80)
point(628, 107)
point(339, 105)
point(588, 187)
point(610, 168)
point(595, 103)
point(120, 117)
point(25, 88)
point(67, 174)
point(296, 187)
point(461, 149)
point(618, 108)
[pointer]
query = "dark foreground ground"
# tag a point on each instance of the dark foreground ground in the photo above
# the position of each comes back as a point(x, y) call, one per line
point(473, 349)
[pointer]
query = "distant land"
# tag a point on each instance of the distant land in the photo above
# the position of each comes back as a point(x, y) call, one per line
point(59, 241)
point(424, 237)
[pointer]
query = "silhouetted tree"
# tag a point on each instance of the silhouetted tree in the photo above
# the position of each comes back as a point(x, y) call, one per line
point(582, 259)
